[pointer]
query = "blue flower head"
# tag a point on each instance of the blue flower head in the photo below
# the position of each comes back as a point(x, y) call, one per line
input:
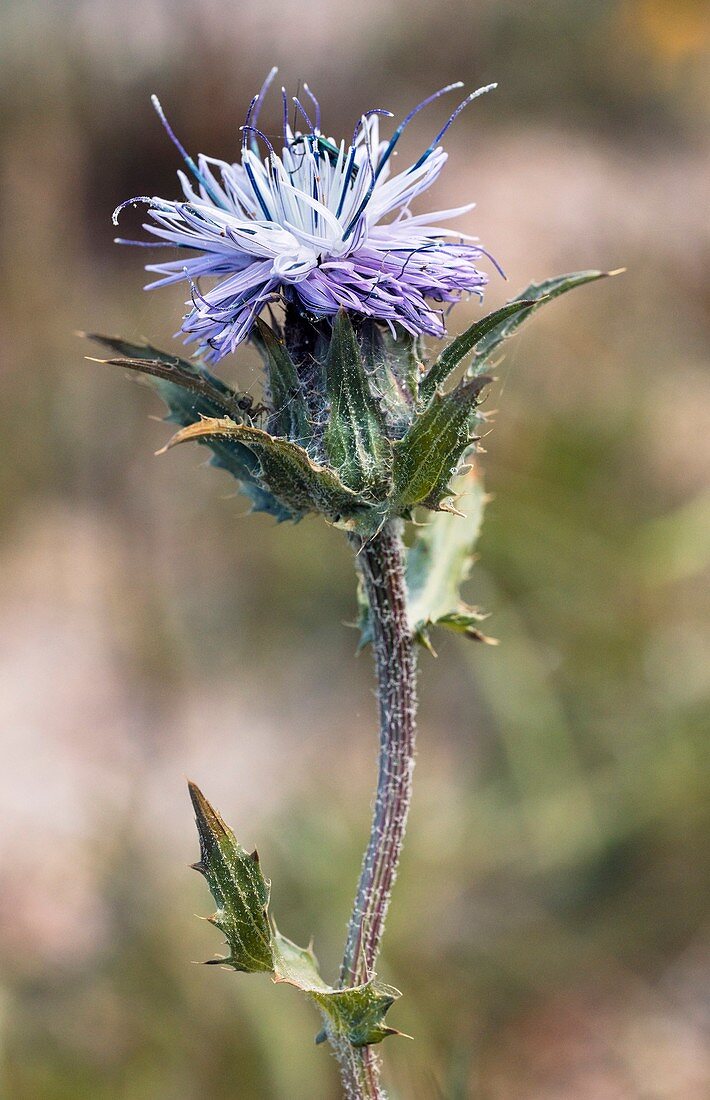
point(352, 421)
point(324, 225)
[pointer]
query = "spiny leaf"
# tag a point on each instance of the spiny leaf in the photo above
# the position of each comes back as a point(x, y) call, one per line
point(439, 561)
point(357, 1013)
point(355, 438)
point(179, 372)
point(239, 889)
point(289, 416)
point(287, 471)
point(461, 622)
point(129, 350)
point(242, 894)
point(426, 457)
point(187, 403)
point(539, 294)
point(452, 355)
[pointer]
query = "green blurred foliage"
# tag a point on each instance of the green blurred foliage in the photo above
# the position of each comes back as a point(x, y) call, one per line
point(547, 928)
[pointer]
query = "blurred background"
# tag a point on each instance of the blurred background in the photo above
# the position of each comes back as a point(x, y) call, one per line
point(548, 926)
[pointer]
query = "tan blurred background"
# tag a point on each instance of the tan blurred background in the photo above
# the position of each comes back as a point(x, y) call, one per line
point(548, 925)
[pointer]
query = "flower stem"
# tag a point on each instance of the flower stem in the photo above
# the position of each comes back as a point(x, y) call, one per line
point(359, 1071)
point(380, 563)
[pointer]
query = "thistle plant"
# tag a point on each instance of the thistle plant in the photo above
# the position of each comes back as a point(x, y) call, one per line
point(314, 256)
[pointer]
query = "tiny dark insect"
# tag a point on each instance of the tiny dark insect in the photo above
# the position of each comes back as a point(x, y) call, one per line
point(246, 403)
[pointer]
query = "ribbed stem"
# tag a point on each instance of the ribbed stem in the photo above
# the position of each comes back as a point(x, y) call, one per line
point(380, 563)
point(359, 1072)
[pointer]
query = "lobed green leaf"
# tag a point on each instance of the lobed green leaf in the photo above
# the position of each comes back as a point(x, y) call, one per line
point(439, 561)
point(241, 893)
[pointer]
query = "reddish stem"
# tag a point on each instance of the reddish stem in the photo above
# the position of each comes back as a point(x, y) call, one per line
point(381, 566)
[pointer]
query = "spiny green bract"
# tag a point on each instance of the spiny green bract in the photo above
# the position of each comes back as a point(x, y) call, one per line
point(353, 425)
